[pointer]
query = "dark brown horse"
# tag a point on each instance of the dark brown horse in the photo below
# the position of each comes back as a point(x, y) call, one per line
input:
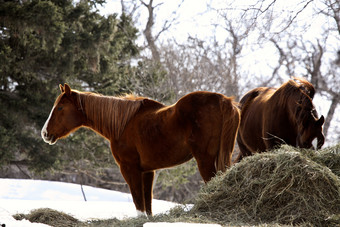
point(286, 115)
point(145, 135)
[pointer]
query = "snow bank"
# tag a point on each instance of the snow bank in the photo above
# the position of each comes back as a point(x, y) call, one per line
point(22, 196)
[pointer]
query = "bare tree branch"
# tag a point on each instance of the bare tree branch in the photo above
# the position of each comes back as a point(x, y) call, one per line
point(129, 11)
point(291, 20)
point(333, 11)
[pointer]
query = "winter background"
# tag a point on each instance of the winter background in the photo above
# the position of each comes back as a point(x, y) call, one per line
point(23, 196)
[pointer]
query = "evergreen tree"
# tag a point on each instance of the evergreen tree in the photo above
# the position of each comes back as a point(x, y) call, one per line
point(44, 44)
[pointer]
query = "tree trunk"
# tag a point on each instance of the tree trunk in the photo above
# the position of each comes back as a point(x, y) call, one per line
point(148, 32)
point(330, 114)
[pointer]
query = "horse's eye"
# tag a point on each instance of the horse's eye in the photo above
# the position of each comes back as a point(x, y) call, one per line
point(60, 108)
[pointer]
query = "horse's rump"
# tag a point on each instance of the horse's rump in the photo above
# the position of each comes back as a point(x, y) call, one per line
point(215, 115)
point(230, 125)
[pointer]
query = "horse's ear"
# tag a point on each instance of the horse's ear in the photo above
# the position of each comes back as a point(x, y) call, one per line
point(321, 120)
point(67, 89)
point(61, 88)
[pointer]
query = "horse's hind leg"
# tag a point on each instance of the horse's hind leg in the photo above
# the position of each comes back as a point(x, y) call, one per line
point(243, 149)
point(147, 186)
point(133, 177)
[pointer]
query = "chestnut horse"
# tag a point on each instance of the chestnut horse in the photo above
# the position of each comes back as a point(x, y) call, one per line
point(286, 115)
point(145, 135)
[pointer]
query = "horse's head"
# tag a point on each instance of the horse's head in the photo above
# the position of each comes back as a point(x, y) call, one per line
point(66, 116)
point(309, 126)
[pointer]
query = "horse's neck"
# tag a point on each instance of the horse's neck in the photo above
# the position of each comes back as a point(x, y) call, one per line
point(283, 109)
point(91, 107)
point(106, 115)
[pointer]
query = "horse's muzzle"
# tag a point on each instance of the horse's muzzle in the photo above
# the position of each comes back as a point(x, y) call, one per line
point(50, 139)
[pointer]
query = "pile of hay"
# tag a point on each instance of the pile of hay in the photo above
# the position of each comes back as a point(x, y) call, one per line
point(285, 187)
point(49, 217)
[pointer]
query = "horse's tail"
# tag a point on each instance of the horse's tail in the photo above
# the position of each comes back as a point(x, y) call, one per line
point(230, 125)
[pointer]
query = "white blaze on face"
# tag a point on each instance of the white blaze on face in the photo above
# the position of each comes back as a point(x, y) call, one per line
point(44, 133)
point(315, 143)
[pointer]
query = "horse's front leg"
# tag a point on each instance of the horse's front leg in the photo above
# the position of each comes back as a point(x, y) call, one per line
point(147, 186)
point(206, 166)
point(133, 177)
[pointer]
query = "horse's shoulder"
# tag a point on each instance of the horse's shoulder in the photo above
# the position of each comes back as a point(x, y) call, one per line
point(254, 101)
point(254, 93)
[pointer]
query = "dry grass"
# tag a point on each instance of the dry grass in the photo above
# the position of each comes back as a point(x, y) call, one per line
point(49, 217)
point(329, 157)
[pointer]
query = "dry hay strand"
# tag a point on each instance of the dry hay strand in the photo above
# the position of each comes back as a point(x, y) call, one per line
point(50, 217)
point(273, 187)
point(329, 157)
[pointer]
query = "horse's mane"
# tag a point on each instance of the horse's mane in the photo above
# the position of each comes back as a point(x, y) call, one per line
point(109, 114)
point(299, 92)
point(297, 89)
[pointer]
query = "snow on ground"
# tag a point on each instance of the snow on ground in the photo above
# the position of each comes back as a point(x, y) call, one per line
point(22, 196)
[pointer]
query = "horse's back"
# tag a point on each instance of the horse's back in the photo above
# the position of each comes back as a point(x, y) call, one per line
point(201, 102)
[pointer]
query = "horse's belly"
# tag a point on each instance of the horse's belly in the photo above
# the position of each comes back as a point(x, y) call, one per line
point(251, 135)
point(165, 157)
